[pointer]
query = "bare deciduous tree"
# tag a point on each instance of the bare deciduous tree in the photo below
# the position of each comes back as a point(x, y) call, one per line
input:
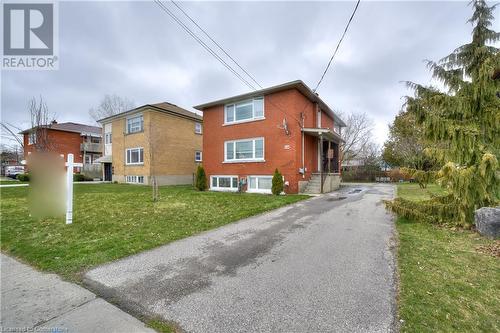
point(10, 133)
point(357, 135)
point(40, 121)
point(111, 105)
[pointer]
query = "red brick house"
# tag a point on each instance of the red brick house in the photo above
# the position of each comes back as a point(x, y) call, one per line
point(83, 141)
point(289, 127)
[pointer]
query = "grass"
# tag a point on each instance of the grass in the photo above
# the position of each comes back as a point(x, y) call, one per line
point(445, 284)
point(112, 221)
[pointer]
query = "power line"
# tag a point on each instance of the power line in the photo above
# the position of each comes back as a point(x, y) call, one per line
point(338, 45)
point(217, 44)
point(205, 46)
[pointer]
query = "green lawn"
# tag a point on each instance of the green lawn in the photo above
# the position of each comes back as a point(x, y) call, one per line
point(446, 285)
point(116, 220)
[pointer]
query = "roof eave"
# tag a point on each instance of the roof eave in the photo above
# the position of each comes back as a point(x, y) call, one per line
point(298, 84)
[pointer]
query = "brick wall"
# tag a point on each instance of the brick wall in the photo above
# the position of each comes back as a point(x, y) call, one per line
point(280, 151)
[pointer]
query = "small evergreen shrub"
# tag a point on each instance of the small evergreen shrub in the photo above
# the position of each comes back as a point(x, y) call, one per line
point(201, 179)
point(277, 186)
point(23, 177)
point(78, 177)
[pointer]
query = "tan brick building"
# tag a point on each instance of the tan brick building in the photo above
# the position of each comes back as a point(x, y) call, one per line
point(161, 139)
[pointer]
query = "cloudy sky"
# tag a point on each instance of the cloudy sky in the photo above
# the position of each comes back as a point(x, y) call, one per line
point(134, 49)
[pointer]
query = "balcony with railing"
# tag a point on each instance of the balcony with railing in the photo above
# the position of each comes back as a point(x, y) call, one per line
point(91, 147)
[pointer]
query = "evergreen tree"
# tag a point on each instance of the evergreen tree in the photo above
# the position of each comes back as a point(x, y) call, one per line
point(277, 183)
point(463, 125)
point(201, 179)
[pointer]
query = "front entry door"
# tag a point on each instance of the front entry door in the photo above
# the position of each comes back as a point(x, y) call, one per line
point(107, 172)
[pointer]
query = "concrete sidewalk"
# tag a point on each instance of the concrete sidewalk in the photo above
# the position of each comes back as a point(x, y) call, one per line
point(35, 301)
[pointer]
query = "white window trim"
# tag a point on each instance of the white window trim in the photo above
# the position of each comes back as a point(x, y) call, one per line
point(138, 163)
point(259, 159)
point(195, 128)
point(254, 118)
point(224, 189)
point(201, 156)
point(106, 136)
point(137, 115)
point(135, 179)
point(256, 190)
point(32, 138)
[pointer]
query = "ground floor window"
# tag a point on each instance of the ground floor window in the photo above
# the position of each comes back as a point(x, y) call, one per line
point(224, 183)
point(134, 179)
point(261, 184)
point(135, 155)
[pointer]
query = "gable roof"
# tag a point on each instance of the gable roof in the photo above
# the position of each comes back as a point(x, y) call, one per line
point(162, 107)
point(297, 84)
point(71, 127)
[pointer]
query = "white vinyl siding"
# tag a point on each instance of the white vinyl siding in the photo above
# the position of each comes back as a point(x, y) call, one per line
point(135, 124)
point(134, 156)
point(198, 156)
point(248, 110)
point(134, 179)
point(246, 150)
point(224, 183)
point(259, 184)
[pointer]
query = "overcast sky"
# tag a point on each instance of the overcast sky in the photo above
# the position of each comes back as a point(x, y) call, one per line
point(134, 49)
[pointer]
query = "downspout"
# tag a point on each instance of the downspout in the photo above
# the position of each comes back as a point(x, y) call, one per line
point(303, 144)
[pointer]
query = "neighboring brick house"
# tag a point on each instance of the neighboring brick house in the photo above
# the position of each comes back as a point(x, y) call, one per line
point(288, 127)
point(83, 141)
point(161, 140)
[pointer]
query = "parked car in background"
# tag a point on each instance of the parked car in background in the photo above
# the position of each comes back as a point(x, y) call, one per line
point(12, 171)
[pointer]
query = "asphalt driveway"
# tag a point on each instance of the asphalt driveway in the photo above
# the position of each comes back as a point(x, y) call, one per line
point(322, 265)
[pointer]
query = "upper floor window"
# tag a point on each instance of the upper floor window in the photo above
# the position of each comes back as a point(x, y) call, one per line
point(135, 124)
point(107, 138)
point(244, 150)
point(135, 155)
point(32, 138)
point(95, 139)
point(198, 156)
point(197, 128)
point(251, 109)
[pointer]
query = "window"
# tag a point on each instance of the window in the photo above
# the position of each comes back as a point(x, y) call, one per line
point(107, 138)
point(248, 110)
point(32, 138)
point(260, 184)
point(134, 179)
point(244, 150)
point(197, 128)
point(224, 183)
point(135, 155)
point(94, 139)
point(88, 159)
point(197, 156)
point(135, 124)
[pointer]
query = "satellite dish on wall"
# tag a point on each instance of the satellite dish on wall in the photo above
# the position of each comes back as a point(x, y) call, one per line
point(284, 126)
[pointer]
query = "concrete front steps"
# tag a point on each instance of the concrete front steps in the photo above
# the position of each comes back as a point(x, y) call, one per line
point(331, 183)
point(314, 185)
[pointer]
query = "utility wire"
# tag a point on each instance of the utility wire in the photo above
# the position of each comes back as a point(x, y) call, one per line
point(205, 46)
point(215, 42)
point(338, 45)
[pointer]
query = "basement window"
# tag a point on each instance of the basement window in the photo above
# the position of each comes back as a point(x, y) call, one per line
point(134, 179)
point(260, 184)
point(224, 183)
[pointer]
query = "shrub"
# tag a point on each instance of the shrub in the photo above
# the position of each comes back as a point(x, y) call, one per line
point(277, 187)
point(201, 179)
point(78, 177)
point(23, 177)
